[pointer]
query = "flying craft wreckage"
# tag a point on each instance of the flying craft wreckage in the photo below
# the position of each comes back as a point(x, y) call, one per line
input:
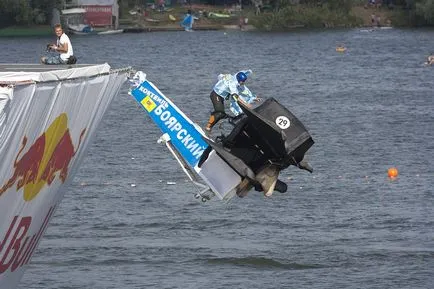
point(264, 141)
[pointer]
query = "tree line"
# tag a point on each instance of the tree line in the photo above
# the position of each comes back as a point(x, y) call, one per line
point(26, 12)
point(414, 12)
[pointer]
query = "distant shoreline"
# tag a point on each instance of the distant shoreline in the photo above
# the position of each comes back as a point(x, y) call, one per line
point(160, 22)
point(27, 31)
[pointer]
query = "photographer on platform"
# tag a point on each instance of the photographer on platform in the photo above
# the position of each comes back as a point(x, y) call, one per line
point(63, 47)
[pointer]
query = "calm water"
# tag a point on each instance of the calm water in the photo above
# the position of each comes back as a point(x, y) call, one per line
point(344, 226)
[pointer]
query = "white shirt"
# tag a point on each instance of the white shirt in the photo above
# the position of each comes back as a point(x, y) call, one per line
point(62, 40)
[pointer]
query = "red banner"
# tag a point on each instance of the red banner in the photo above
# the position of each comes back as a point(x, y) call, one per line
point(98, 15)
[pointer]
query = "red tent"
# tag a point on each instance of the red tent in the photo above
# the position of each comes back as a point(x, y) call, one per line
point(101, 13)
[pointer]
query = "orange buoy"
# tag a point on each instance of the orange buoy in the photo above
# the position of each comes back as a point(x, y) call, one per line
point(392, 173)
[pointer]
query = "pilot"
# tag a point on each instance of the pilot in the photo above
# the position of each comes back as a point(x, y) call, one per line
point(227, 86)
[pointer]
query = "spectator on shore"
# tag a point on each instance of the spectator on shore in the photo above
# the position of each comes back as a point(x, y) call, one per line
point(375, 20)
point(188, 21)
point(241, 23)
point(258, 6)
point(161, 5)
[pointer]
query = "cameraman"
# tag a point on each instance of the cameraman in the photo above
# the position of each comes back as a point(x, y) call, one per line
point(63, 46)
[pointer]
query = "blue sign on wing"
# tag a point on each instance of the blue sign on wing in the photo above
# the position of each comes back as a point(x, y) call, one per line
point(184, 136)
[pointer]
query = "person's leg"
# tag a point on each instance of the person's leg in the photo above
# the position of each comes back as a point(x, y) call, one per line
point(219, 110)
point(52, 60)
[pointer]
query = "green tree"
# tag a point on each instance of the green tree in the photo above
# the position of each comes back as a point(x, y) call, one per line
point(14, 12)
point(424, 12)
point(25, 12)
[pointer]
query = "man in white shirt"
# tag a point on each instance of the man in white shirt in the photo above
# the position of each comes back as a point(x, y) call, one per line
point(62, 46)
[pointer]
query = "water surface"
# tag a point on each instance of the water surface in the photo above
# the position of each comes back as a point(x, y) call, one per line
point(344, 226)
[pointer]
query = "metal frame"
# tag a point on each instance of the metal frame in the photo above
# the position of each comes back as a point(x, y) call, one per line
point(165, 138)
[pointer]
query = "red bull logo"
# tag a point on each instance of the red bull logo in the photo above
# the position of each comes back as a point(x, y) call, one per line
point(18, 244)
point(48, 156)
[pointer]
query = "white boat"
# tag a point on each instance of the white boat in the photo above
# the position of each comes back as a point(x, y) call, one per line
point(73, 20)
point(48, 116)
point(116, 31)
point(81, 29)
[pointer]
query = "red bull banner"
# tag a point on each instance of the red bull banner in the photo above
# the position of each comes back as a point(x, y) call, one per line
point(97, 15)
point(43, 136)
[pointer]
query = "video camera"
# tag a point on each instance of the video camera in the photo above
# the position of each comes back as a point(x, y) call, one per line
point(49, 47)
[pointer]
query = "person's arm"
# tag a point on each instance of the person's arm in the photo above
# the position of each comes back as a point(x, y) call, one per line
point(240, 99)
point(250, 97)
point(62, 48)
point(62, 44)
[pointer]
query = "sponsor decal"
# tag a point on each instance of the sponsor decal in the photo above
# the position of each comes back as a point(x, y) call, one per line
point(17, 246)
point(148, 104)
point(283, 122)
point(184, 136)
point(49, 156)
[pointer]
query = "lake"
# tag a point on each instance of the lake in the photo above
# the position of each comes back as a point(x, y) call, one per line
point(123, 225)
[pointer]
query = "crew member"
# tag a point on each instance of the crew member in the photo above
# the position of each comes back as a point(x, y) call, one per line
point(63, 47)
point(227, 86)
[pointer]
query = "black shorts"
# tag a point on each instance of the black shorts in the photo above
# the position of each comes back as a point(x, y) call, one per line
point(217, 102)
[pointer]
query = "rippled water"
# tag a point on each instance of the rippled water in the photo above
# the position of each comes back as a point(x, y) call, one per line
point(344, 226)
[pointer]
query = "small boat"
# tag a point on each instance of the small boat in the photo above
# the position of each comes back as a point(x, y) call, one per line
point(218, 15)
point(73, 21)
point(152, 20)
point(116, 31)
point(340, 49)
point(81, 29)
point(376, 28)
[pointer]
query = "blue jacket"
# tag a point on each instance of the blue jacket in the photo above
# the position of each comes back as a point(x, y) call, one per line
point(246, 95)
point(227, 84)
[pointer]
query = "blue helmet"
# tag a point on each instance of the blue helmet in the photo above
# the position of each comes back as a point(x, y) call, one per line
point(241, 77)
